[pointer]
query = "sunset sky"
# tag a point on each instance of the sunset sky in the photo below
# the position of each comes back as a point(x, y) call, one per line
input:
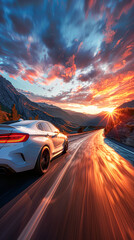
point(75, 54)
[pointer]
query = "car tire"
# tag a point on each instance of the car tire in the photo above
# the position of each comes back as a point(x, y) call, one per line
point(65, 147)
point(43, 161)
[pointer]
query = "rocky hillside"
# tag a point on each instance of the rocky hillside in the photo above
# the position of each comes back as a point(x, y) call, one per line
point(98, 120)
point(127, 105)
point(26, 108)
point(67, 115)
point(121, 126)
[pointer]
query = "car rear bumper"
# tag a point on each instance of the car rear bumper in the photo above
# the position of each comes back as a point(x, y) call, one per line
point(7, 165)
point(19, 157)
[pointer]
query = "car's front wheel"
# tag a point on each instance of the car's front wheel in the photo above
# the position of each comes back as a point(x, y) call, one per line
point(65, 147)
point(43, 161)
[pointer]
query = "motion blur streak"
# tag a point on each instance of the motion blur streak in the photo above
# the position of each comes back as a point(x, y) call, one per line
point(94, 199)
point(34, 221)
point(111, 179)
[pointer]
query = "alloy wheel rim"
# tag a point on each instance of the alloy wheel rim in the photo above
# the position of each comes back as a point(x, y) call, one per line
point(44, 160)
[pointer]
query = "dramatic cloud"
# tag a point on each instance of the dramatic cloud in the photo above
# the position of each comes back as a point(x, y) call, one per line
point(29, 2)
point(21, 25)
point(73, 53)
point(2, 18)
point(89, 76)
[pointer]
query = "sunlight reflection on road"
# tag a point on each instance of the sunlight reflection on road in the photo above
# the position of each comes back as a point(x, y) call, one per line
point(94, 200)
point(111, 177)
point(102, 193)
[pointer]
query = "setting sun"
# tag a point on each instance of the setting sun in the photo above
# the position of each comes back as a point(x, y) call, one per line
point(111, 110)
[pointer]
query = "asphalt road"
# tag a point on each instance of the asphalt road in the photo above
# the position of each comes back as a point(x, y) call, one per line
point(87, 193)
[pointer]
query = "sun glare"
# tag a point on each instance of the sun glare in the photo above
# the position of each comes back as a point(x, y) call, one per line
point(111, 110)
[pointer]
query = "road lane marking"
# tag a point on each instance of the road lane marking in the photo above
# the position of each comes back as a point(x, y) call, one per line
point(31, 226)
point(75, 138)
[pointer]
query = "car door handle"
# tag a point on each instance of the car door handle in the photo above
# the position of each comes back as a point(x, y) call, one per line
point(47, 135)
point(55, 135)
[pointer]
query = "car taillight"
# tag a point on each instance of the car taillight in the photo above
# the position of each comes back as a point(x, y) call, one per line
point(13, 137)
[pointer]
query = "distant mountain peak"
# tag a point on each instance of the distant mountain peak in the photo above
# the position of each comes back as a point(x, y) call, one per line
point(129, 104)
point(26, 108)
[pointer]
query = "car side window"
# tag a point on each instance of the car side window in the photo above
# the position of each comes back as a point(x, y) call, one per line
point(46, 127)
point(53, 128)
point(39, 126)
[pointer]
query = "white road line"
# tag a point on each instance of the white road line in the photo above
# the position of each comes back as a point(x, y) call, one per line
point(35, 219)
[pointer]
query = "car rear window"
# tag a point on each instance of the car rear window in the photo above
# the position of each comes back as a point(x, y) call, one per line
point(44, 127)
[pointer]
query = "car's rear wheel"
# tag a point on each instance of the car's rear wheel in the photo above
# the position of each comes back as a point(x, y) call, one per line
point(65, 147)
point(43, 161)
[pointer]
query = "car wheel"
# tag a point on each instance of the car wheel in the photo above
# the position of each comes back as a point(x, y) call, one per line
point(65, 147)
point(43, 161)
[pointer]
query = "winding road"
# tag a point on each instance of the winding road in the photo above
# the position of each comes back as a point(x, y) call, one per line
point(88, 193)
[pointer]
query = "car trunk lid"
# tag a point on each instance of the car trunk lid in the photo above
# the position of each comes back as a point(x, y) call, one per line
point(5, 129)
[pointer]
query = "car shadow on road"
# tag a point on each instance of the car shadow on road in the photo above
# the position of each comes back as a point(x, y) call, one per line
point(123, 150)
point(13, 184)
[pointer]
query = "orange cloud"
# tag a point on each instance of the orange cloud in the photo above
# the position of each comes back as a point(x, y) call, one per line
point(126, 8)
point(117, 43)
point(122, 59)
point(30, 75)
point(28, 78)
point(119, 65)
point(71, 66)
point(63, 72)
point(77, 90)
point(12, 76)
point(128, 51)
point(91, 3)
point(112, 17)
point(109, 33)
point(114, 90)
point(55, 72)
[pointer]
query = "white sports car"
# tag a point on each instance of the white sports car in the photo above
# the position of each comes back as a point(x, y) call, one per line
point(30, 144)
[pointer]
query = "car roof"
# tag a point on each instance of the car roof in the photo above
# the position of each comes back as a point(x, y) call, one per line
point(25, 122)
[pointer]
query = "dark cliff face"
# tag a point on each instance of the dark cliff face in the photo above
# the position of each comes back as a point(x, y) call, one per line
point(127, 104)
point(67, 115)
point(122, 129)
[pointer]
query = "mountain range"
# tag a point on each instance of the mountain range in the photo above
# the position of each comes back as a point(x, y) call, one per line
point(127, 105)
point(66, 120)
point(26, 108)
point(67, 115)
